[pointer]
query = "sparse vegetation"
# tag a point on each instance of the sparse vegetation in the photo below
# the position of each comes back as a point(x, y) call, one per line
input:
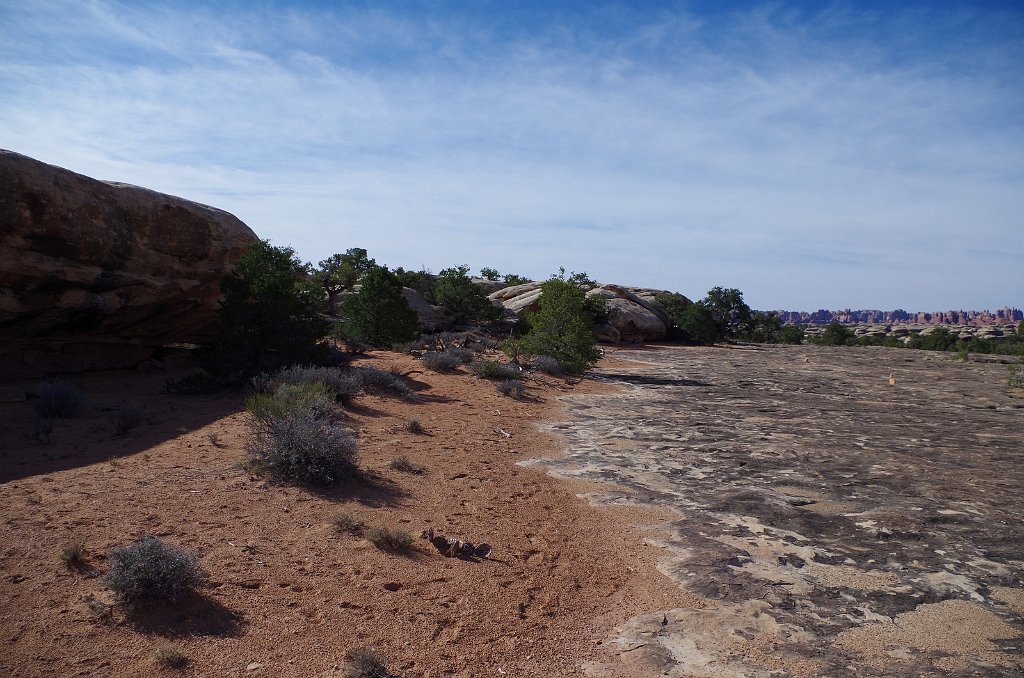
point(1016, 375)
point(341, 272)
point(151, 570)
point(379, 313)
point(72, 554)
point(836, 334)
point(269, 316)
point(386, 381)
point(492, 369)
point(366, 662)
point(562, 327)
point(415, 426)
point(389, 539)
point(442, 361)
point(59, 400)
point(547, 365)
point(348, 522)
point(170, 657)
point(405, 465)
point(512, 388)
point(463, 299)
point(40, 428)
point(126, 418)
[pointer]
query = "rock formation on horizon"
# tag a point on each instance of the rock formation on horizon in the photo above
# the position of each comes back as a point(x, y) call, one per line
point(632, 315)
point(88, 263)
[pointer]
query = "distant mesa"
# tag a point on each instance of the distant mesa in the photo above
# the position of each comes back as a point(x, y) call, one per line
point(1000, 316)
point(88, 264)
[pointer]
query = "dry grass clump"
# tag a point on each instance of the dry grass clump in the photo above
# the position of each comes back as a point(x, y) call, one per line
point(294, 439)
point(151, 570)
point(512, 388)
point(388, 539)
point(126, 418)
point(72, 554)
point(348, 522)
point(170, 657)
point(379, 380)
point(547, 365)
point(448, 359)
point(59, 400)
point(367, 662)
point(405, 465)
point(415, 426)
point(492, 369)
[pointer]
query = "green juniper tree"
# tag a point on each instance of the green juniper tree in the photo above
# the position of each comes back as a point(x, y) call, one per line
point(561, 328)
point(379, 313)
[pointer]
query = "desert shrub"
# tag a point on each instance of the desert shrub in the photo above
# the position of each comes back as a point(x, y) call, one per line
point(72, 554)
point(1016, 375)
point(547, 365)
point(463, 300)
point(421, 281)
point(269, 316)
point(387, 539)
point(40, 428)
point(406, 346)
point(341, 272)
point(151, 570)
point(302, 448)
point(59, 400)
point(345, 384)
point(464, 355)
point(347, 522)
point(376, 379)
point(512, 279)
point(561, 328)
point(197, 383)
point(835, 334)
point(492, 369)
point(379, 313)
point(310, 400)
point(366, 662)
point(405, 465)
point(441, 361)
point(415, 426)
point(170, 657)
point(512, 388)
point(127, 418)
point(791, 334)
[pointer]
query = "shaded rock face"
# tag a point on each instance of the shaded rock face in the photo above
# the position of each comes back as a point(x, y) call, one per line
point(632, 315)
point(90, 262)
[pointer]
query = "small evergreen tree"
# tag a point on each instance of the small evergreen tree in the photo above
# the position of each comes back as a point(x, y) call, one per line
point(511, 279)
point(269, 316)
point(490, 273)
point(341, 272)
point(463, 299)
point(728, 309)
point(379, 313)
point(698, 324)
point(835, 334)
point(561, 328)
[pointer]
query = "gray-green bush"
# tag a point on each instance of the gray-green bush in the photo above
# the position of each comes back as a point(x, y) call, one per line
point(150, 570)
point(59, 400)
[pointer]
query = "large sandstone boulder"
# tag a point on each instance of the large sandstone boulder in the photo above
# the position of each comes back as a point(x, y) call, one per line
point(632, 315)
point(89, 262)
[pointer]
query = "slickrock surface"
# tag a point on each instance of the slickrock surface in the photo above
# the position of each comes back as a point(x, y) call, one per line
point(835, 522)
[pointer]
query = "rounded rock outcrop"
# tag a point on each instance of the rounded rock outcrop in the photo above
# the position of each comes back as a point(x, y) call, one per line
point(89, 262)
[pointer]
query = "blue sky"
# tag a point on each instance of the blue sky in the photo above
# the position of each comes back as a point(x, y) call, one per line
point(814, 155)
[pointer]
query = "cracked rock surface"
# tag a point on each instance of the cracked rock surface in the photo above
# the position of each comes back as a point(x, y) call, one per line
point(846, 511)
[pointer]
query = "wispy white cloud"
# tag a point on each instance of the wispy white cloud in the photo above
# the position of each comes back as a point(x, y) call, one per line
point(832, 160)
